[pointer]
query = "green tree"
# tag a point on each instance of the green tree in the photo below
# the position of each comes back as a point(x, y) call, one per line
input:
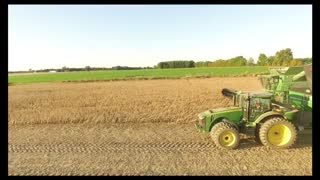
point(270, 60)
point(250, 62)
point(283, 57)
point(87, 68)
point(64, 68)
point(275, 62)
point(237, 61)
point(299, 63)
point(308, 60)
point(262, 60)
point(296, 62)
point(304, 60)
point(293, 63)
point(176, 64)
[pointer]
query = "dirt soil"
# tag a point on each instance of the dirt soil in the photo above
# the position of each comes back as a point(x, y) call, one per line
point(165, 144)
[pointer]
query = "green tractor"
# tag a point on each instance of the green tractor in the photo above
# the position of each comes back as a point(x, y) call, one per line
point(273, 115)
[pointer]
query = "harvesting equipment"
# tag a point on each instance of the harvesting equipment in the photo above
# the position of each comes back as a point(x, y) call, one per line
point(273, 116)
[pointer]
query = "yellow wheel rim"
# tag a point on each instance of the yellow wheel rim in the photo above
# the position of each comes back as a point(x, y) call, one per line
point(279, 135)
point(227, 138)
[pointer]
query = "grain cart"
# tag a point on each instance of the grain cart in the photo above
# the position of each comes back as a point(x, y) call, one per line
point(274, 122)
point(292, 87)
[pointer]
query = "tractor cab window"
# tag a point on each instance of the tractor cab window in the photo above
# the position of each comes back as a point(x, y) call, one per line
point(258, 106)
point(255, 103)
point(260, 103)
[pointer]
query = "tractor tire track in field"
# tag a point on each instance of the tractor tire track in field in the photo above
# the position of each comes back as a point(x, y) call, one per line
point(143, 149)
point(111, 147)
point(130, 146)
point(226, 159)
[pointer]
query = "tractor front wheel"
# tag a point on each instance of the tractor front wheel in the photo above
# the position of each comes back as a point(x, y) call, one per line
point(278, 132)
point(225, 136)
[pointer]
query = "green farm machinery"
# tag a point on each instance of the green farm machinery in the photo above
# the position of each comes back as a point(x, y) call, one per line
point(273, 115)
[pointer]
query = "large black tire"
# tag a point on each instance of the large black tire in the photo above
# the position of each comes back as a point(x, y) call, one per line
point(277, 132)
point(225, 136)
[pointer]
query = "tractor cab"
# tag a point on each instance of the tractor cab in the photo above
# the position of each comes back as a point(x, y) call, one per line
point(255, 104)
point(252, 104)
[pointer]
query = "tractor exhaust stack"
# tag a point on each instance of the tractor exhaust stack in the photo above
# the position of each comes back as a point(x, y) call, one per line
point(230, 93)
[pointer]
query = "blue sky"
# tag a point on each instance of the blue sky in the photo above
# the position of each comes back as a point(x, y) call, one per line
point(53, 36)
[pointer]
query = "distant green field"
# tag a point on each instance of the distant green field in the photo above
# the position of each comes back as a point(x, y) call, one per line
point(137, 74)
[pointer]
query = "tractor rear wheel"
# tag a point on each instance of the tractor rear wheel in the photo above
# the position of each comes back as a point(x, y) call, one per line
point(225, 136)
point(278, 133)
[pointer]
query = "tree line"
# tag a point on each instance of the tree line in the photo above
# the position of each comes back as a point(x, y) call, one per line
point(176, 64)
point(86, 68)
point(281, 58)
point(236, 61)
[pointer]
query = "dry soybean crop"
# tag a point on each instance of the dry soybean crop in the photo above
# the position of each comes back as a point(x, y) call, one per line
point(137, 127)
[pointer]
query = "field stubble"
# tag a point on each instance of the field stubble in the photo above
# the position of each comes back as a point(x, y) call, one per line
point(133, 128)
point(143, 149)
point(120, 101)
